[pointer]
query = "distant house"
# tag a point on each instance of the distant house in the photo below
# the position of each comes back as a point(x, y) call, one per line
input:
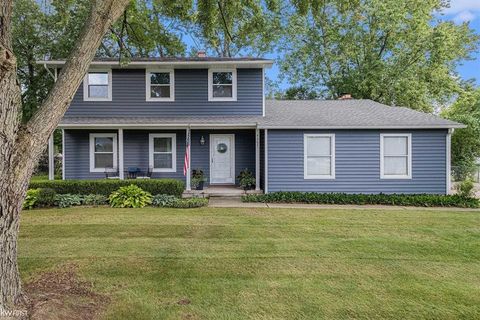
point(140, 118)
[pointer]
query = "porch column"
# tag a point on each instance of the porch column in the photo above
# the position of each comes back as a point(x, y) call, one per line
point(257, 158)
point(120, 154)
point(51, 159)
point(188, 144)
point(63, 154)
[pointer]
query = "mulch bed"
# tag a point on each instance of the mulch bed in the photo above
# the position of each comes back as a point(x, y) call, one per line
point(61, 295)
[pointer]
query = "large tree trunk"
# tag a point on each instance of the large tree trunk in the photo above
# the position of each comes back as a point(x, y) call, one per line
point(22, 144)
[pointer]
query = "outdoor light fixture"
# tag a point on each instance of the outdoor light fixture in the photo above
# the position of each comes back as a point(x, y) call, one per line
point(202, 141)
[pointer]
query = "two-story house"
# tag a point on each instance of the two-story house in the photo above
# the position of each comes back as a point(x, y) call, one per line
point(145, 114)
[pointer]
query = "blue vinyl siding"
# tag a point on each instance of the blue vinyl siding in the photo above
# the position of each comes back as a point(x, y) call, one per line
point(136, 152)
point(357, 163)
point(191, 96)
point(77, 154)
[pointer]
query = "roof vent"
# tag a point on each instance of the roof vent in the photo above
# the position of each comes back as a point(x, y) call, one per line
point(201, 54)
point(345, 96)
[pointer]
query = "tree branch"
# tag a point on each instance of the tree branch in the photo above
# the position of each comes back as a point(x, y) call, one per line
point(46, 119)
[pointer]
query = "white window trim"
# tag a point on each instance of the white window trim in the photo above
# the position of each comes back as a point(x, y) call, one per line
point(92, 150)
point(148, 84)
point(210, 85)
point(332, 156)
point(174, 151)
point(85, 85)
point(409, 156)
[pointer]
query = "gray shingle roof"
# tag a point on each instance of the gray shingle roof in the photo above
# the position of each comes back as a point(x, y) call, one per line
point(348, 114)
point(328, 114)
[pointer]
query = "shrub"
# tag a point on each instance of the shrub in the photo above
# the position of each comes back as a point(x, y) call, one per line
point(31, 199)
point(95, 200)
point(190, 203)
point(246, 179)
point(68, 200)
point(163, 200)
point(46, 197)
point(465, 188)
point(420, 200)
point(130, 196)
point(198, 179)
point(107, 186)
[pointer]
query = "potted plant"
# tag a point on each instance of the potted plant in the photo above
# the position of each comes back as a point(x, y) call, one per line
point(246, 179)
point(198, 179)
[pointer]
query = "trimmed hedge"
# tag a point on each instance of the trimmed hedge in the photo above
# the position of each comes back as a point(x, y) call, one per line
point(107, 186)
point(417, 200)
point(166, 201)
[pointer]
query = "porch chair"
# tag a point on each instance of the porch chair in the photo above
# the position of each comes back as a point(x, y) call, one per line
point(112, 173)
point(147, 175)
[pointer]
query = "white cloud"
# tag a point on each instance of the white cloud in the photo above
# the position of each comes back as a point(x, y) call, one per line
point(463, 10)
point(464, 16)
point(458, 6)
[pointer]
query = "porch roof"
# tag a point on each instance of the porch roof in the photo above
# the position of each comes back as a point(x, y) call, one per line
point(289, 114)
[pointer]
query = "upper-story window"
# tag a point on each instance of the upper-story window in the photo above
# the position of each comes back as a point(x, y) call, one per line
point(222, 85)
point(396, 156)
point(160, 85)
point(97, 86)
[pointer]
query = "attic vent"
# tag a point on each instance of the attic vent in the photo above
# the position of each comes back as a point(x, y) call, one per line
point(345, 96)
point(201, 54)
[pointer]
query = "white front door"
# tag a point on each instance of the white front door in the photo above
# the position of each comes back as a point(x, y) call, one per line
point(222, 158)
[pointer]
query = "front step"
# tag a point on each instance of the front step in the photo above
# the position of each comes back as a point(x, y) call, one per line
point(216, 192)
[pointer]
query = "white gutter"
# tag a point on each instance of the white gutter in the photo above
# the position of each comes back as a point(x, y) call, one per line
point(156, 126)
point(244, 63)
point(362, 127)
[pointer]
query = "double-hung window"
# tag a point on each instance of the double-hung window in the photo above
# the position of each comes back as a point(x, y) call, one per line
point(160, 85)
point(396, 156)
point(222, 85)
point(319, 156)
point(103, 152)
point(97, 86)
point(163, 154)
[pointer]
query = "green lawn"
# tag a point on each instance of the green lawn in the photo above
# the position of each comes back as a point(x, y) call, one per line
point(265, 263)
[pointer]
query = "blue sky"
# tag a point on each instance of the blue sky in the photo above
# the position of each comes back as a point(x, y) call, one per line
point(460, 11)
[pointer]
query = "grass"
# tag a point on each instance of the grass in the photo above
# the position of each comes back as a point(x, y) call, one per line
point(254, 263)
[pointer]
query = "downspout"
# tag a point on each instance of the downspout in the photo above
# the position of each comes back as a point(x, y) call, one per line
point(449, 159)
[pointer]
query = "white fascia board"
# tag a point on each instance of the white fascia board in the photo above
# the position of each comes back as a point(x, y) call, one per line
point(181, 64)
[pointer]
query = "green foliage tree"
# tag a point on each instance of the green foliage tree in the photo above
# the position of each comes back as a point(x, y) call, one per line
point(228, 28)
point(465, 142)
point(397, 52)
point(299, 93)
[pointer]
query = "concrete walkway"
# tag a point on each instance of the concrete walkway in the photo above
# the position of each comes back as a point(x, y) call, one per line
point(236, 202)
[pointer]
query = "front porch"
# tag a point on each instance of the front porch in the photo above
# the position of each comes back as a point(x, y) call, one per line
point(164, 152)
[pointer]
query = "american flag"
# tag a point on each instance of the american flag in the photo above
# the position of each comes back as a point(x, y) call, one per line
point(185, 162)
